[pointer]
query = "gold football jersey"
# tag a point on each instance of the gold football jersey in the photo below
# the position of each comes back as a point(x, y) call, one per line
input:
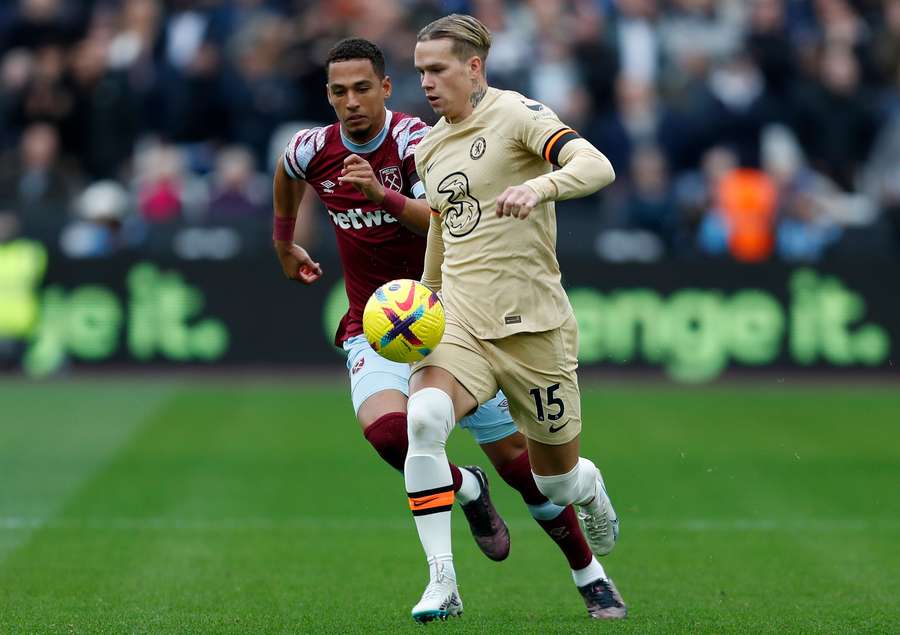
point(499, 276)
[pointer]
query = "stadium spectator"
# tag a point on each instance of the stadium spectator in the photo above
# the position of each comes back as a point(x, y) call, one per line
point(514, 39)
point(132, 53)
point(806, 223)
point(696, 193)
point(841, 25)
point(835, 120)
point(767, 41)
point(747, 200)
point(886, 48)
point(743, 106)
point(102, 225)
point(45, 96)
point(257, 95)
point(650, 203)
point(238, 191)
point(101, 126)
point(596, 57)
point(165, 190)
point(36, 23)
point(634, 29)
point(35, 184)
point(705, 27)
point(684, 76)
point(639, 118)
point(16, 68)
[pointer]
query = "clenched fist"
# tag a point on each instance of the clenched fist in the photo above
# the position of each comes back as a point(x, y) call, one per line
point(296, 263)
point(518, 201)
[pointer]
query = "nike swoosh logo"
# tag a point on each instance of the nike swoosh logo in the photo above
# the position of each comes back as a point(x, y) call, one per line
point(555, 428)
point(428, 168)
point(408, 302)
point(420, 502)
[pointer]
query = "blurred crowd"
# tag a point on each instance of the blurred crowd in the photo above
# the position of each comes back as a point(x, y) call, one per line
point(744, 129)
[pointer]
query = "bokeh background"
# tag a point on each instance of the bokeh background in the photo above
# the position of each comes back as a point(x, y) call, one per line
point(754, 223)
point(167, 116)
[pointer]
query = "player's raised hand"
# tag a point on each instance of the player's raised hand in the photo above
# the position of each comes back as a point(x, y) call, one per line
point(359, 173)
point(518, 201)
point(296, 263)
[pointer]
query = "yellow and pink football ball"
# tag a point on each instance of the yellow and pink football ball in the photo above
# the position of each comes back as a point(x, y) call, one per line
point(403, 320)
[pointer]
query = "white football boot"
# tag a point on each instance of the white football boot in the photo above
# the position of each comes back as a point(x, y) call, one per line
point(598, 521)
point(441, 597)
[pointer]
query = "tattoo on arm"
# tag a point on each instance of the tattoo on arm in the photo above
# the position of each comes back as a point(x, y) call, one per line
point(478, 92)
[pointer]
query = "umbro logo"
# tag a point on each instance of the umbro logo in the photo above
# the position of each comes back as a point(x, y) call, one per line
point(328, 186)
point(558, 533)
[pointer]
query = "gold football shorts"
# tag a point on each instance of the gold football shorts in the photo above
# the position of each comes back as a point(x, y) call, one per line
point(536, 371)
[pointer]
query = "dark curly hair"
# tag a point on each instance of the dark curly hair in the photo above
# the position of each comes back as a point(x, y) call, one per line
point(356, 48)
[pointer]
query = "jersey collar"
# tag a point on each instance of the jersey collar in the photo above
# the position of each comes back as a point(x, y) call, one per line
point(372, 145)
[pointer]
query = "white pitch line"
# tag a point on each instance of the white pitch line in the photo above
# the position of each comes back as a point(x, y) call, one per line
point(695, 525)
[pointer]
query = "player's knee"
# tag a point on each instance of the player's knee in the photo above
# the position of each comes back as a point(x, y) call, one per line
point(387, 434)
point(429, 418)
point(559, 489)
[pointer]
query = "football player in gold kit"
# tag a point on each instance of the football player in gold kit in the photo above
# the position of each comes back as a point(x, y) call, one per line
point(510, 325)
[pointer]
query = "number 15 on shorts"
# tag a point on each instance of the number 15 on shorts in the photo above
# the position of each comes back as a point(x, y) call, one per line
point(555, 407)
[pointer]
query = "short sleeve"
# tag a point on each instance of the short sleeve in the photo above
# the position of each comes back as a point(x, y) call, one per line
point(540, 130)
point(407, 135)
point(300, 151)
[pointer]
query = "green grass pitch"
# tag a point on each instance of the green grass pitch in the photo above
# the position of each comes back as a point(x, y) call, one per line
point(154, 506)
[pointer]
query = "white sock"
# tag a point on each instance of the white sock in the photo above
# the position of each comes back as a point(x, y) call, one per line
point(470, 488)
point(593, 571)
point(429, 484)
point(441, 564)
point(586, 489)
point(427, 478)
point(577, 486)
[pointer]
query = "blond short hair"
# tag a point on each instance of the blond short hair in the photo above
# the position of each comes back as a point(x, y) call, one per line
point(470, 37)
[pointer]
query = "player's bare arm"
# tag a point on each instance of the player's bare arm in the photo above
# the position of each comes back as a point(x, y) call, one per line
point(295, 261)
point(583, 171)
point(359, 173)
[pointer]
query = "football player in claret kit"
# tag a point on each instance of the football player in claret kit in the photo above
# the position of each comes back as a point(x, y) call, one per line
point(363, 170)
point(509, 323)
